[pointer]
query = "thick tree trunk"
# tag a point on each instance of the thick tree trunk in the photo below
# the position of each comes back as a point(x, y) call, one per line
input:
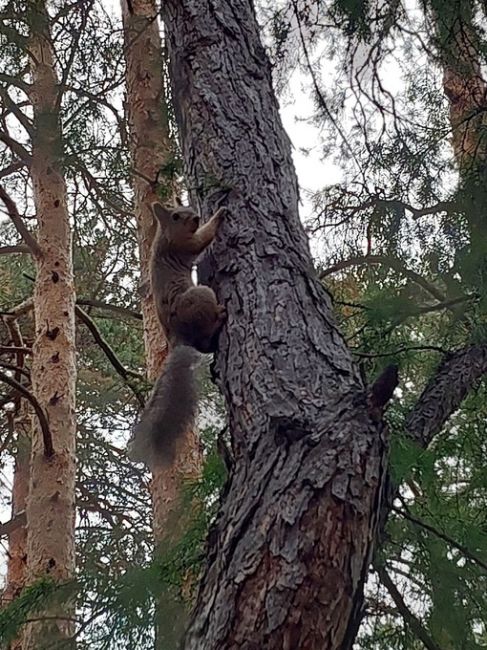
point(150, 149)
point(51, 502)
point(293, 537)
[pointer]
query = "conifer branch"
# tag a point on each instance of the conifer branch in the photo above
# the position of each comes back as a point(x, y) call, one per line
point(391, 262)
point(110, 354)
point(409, 618)
point(438, 533)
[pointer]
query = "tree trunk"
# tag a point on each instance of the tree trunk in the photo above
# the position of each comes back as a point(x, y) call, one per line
point(293, 537)
point(463, 83)
point(51, 502)
point(17, 538)
point(466, 90)
point(150, 149)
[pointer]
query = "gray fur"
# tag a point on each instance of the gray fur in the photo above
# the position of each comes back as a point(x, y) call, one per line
point(170, 410)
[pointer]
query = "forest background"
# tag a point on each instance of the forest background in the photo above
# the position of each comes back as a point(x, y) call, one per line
point(385, 105)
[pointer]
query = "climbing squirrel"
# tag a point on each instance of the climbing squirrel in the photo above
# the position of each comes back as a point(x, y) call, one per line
point(191, 318)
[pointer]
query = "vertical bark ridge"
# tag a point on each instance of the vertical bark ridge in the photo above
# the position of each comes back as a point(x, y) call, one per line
point(294, 534)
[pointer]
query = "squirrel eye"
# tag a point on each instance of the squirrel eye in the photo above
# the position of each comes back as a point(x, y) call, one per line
point(175, 217)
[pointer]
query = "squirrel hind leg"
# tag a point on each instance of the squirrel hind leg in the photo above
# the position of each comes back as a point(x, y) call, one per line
point(199, 318)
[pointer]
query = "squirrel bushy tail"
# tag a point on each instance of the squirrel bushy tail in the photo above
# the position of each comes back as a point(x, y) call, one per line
point(170, 410)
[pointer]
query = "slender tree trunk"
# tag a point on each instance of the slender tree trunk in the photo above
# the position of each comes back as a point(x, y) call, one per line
point(466, 91)
point(150, 148)
point(17, 538)
point(463, 83)
point(51, 502)
point(293, 537)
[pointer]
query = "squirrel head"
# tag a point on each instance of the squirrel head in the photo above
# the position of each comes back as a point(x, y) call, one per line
point(176, 223)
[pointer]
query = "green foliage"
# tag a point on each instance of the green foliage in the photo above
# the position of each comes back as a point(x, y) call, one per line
point(32, 600)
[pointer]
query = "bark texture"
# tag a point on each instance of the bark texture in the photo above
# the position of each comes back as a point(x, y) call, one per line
point(51, 502)
point(293, 537)
point(457, 375)
point(150, 148)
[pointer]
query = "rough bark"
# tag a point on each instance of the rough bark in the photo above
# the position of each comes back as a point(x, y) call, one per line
point(51, 501)
point(458, 374)
point(150, 149)
point(293, 537)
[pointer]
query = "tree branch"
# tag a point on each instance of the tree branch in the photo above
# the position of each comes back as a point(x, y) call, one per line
point(401, 350)
point(458, 373)
point(17, 521)
point(14, 215)
point(16, 369)
point(391, 262)
point(7, 349)
point(409, 618)
point(110, 354)
point(18, 248)
point(9, 80)
point(438, 533)
point(16, 148)
point(15, 110)
point(106, 306)
point(46, 433)
point(12, 168)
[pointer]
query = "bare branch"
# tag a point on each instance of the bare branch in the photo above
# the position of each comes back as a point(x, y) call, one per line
point(391, 262)
point(10, 250)
point(15, 81)
point(17, 521)
point(115, 308)
point(14, 215)
point(46, 433)
point(15, 110)
point(6, 349)
point(19, 310)
point(12, 168)
point(16, 148)
point(409, 618)
point(16, 369)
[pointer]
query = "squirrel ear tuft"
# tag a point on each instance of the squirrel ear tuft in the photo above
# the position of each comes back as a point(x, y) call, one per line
point(177, 201)
point(160, 211)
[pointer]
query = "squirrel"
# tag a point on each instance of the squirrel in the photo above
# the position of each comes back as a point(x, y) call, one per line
point(191, 318)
